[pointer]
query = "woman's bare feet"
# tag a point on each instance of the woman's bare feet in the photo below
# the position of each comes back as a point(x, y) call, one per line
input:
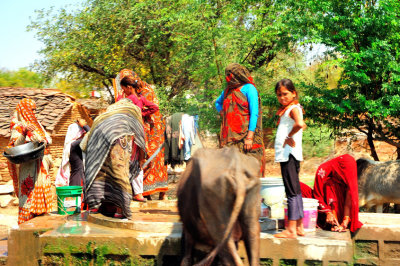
point(285, 234)
point(338, 228)
point(300, 232)
point(300, 227)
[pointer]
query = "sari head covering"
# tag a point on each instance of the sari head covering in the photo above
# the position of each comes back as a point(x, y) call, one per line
point(127, 73)
point(237, 75)
point(26, 116)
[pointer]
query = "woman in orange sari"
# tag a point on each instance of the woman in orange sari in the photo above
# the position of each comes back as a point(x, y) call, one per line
point(31, 179)
point(155, 176)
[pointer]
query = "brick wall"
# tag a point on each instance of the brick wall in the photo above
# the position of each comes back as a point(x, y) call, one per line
point(56, 149)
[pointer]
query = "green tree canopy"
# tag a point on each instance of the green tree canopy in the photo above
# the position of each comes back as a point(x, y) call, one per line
point(181, 46)
point(21, 78)
point(363, 39)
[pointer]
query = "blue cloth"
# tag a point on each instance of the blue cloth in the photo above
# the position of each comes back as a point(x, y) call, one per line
point(252, 97)
point(189, 131)
point(295, 207)
point(196, 121)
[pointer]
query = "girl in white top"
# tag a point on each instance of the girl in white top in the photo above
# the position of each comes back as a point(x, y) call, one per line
point(289, 153)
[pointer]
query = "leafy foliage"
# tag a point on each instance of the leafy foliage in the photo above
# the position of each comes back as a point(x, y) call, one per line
point(183, 46)
point(21, 78)
point(180, 46)
point(363, 37)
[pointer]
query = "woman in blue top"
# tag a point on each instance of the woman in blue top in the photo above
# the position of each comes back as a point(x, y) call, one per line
point(240, 108)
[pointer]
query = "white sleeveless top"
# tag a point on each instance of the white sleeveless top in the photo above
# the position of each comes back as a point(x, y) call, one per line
point(285, 126)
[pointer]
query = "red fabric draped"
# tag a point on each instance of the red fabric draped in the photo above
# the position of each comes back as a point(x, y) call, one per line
point(306, 191)
point(332, 180)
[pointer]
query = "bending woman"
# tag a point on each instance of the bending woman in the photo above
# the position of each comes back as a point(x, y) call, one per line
point(336, 189)
point(155, 176)
point(129, 85)
point(31, 180)
point(66, 175)
point(240, 108)
point(110, 165)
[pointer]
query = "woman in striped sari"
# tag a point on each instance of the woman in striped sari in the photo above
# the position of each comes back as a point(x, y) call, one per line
point(110, 164)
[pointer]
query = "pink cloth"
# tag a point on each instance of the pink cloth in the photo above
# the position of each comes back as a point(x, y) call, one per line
point(145, 105)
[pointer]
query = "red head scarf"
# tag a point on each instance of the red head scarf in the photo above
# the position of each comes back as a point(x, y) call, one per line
point(237, 75)
point(129, 73)
point(26, 112)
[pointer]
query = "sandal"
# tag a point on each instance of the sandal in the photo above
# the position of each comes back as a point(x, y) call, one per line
point(94, 210)
point(119, 215)
point(142, 199)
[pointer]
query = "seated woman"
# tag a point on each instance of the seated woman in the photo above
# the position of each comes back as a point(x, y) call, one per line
point(336, 189)
point(110, 165)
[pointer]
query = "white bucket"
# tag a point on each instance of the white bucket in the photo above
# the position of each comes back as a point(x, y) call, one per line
point(310, 208)
point(272, 195)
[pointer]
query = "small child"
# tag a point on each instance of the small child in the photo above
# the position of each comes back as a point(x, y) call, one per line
point(289, 153)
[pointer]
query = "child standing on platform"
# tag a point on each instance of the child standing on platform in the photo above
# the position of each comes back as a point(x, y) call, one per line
point(289, 153)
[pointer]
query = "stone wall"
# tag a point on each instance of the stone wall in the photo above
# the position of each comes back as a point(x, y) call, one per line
point(378, 241)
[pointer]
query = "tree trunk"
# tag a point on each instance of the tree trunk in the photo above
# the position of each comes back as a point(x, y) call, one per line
point(112, 97)
point(371, 144)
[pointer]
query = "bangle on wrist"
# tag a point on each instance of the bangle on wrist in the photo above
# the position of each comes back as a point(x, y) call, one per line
point(249, 138)
point(287, 137)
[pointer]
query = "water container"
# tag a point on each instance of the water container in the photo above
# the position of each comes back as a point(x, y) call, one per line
point(272, 196)
point(310, 208)
point(69, 199)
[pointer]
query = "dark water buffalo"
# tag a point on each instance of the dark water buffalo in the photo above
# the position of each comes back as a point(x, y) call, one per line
point(378, 182)
point(219, 204)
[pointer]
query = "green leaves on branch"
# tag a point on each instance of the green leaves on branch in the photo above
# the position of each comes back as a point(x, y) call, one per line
point(365, 36)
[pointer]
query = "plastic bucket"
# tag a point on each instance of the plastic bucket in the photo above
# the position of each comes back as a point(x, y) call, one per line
point(310, 208)
point(69, 199)
point(272, 195)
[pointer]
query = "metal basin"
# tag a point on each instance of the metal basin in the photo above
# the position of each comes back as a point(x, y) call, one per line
point(22, 149)
point(25, 152)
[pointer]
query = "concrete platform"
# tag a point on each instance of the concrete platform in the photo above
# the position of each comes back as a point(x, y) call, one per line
point(152, 237)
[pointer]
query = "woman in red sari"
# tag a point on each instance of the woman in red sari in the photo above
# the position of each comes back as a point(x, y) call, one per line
point(155, 176)
point(240, 108)
point(336, 189)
